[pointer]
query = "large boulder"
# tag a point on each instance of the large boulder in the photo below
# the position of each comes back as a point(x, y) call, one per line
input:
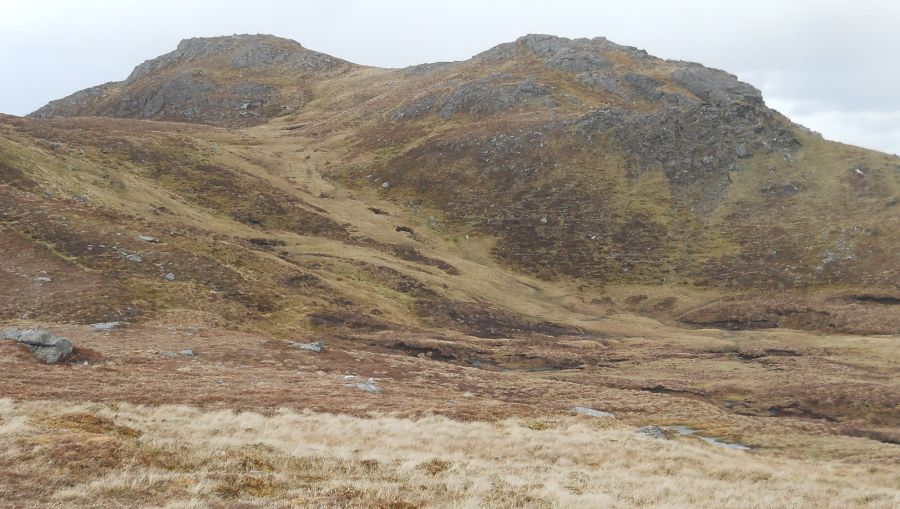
point(43, 344)
point(715, 86)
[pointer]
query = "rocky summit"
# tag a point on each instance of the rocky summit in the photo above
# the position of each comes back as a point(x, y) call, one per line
point(237, 80)
point(553, 261)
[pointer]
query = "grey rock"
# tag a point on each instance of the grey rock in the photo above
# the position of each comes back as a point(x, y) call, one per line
point(715, 86)
point(22, 335)
point(699, 157)
point(590, 412)
point(192, 96)
point(169, 276)
point(368, 386)
point(601, 120)
point(43, 279)
point(152, 240)
point(417, 108)
point(644, 86)
point(188, 352)
point(576, 56)
point(688, 431)
point(494, 93)
point(260, 54)
point(105, 326)
point(43, 344)
point(600, 80)
point(134, 258)
point(318, 346)
point(653, 431)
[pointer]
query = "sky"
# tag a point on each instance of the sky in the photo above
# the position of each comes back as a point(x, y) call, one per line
point(833, 66)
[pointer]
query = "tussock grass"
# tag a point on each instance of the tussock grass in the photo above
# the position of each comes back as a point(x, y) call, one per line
point(188, 457)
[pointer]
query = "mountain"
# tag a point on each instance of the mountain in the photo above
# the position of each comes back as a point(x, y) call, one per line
point(578, 160)
point(557, 247)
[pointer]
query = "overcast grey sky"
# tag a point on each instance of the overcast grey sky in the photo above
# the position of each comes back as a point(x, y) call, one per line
point(832, 66)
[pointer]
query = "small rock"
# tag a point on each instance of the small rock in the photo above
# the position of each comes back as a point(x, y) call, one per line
point(104, 326)
point(152, 240)
point(590, 412)
point(134, 258)
point(169, 277)
point(184, 353)
point(385, 185)
point(653, 431)
point(318, 346)
point(368, 386)
point(688, 431)
point(43, 279)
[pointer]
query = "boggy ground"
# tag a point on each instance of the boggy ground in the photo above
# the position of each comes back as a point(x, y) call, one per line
point(250, 421)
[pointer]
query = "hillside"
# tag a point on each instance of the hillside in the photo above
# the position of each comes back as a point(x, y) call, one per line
point(481, 246)
point(575, 160)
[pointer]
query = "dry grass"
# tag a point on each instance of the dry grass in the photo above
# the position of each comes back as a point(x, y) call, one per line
point(180, 456)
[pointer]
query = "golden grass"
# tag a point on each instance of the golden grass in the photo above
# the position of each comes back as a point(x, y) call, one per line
point(188, 457)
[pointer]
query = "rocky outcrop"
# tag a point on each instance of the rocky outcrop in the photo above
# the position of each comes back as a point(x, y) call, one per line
point(485, 96)
point(480, 97)
point(715, 86)
point(240, 51)
point(591, 61)
point(699, 147)
point(44, 345)
point(215, 80)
